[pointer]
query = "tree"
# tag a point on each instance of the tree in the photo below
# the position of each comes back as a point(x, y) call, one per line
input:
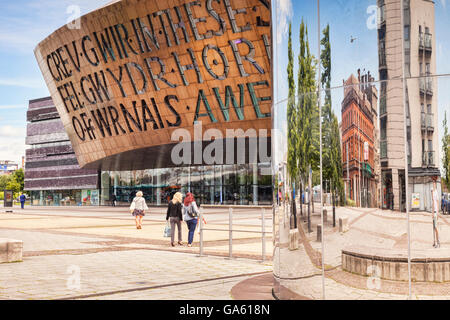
point(4, 179)
point(332, 158)
point(19, 177)
point(308, 114)
point(13, 185)
point(327, 113)
point(446, 153)
point(292, 120)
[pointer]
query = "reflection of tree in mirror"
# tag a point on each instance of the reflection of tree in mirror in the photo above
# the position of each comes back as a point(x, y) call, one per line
point(332, 164)
point(308, 115)
point(446, 154)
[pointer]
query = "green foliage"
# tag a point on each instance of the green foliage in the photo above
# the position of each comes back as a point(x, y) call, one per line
point(292, 115)
point(308, 110)
point(13, 185)
point(4, 179)
point(19, 177)
point(351, 203)
point(446, 154)
point(14, 181)
point(332, 158)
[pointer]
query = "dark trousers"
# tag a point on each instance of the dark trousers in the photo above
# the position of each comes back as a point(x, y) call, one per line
point(173, 222)
point(191, 226)
point(22, 204)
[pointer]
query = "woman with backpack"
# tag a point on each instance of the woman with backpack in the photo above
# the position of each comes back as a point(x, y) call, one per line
point(190, 216)
point(174, 212)
point(138, 207)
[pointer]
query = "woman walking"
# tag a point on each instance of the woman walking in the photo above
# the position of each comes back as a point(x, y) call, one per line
point(137, 208)
point(175, 215)
point(435, 210)
point(190, 216)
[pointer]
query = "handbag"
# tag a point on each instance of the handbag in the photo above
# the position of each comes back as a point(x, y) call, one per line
point(190, 211)
point(167, 230)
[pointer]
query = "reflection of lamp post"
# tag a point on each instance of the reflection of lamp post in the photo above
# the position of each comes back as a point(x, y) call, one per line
point(405, 149)
point(320, 144)
point(359, 157)
point(366, 159)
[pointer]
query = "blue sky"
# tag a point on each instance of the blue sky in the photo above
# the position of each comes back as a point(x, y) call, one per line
point(353, 19)
point(23, 24)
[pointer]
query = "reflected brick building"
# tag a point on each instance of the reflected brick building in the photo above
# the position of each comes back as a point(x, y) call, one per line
point(359, 128)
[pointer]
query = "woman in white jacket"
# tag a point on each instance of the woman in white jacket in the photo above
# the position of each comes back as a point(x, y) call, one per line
point(137, 208)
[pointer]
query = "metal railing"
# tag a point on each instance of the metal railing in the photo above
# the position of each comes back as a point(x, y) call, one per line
point(383, 149)
point(428, 158)
point(426, 85)
point(230, 230)
point(426, 121)
point(423, 123)
point(429, 121)
point(382, 57)
point(382, 105)
point(431, 158)
point(381, 15)
point(428, 41)
point(425, 41)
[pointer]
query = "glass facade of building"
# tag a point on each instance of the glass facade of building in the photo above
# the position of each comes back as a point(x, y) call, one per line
point(244, 184)
point(76, 197)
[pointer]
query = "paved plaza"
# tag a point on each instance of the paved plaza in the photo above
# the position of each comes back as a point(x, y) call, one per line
point(368, 227)
point(97, 253)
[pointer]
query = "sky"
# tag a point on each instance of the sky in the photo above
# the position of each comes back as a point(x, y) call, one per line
point(23, 24)
point(352, 19)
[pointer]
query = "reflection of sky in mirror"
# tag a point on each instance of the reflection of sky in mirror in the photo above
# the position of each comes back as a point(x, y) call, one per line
point(351, 19)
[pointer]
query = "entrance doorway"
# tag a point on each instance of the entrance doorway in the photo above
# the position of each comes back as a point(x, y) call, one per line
point(388, 196)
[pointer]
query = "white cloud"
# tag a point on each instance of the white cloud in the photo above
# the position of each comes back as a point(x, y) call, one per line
point(23, 82)
point(444, 3)
point(12, 132)
point(12, 106)
point(12, 143)
point(284, 14)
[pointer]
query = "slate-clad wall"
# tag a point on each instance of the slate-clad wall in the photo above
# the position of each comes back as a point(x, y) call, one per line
point(51, 163)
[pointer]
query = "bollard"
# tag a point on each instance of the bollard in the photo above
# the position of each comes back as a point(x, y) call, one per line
point(343, 224)
point(201, 232)
point(263, 221)
point(319, 233)
point(230, 228)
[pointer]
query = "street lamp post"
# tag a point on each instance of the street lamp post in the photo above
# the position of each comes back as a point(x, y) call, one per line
point(320, 143)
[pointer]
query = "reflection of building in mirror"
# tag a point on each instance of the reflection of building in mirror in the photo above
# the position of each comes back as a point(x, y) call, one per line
point(359, 127)
point(420, 102)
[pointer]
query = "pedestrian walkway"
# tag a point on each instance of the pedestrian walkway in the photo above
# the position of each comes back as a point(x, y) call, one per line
point(70, 253)
point(369, 227)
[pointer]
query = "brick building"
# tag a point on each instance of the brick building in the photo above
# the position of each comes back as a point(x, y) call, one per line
point(359, 130)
